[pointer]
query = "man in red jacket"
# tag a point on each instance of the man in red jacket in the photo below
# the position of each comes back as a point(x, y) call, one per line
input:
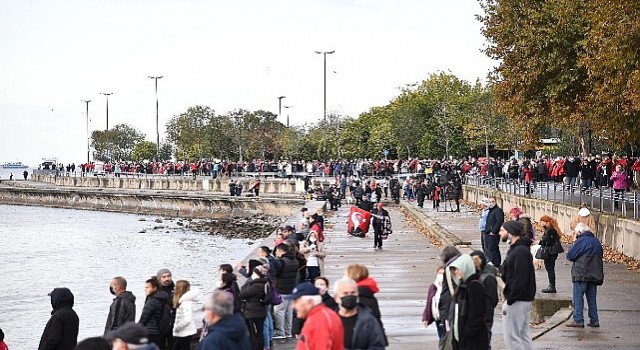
point(322, 328)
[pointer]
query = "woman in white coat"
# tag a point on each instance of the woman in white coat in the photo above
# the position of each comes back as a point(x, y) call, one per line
point(313, 251)
point(184, 327)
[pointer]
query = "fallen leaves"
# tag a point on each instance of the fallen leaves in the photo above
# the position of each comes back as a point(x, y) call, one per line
point(433, 239)
point(614, 256)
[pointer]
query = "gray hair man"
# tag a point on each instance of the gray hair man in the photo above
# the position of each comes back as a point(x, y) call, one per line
point(226, 330)
point(123, 307)
point(357, 316)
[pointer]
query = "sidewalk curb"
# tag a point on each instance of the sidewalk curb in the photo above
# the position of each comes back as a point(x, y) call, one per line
point(446, 237)
point(560, 317)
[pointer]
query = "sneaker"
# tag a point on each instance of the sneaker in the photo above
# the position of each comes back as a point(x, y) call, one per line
point(575, 324)
point(594, 325)
point(278, 337)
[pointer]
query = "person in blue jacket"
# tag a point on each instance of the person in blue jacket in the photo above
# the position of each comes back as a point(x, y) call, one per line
point(587, 274)
point(226, 330)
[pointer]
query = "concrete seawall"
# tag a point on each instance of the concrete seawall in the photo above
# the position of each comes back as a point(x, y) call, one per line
point(619, 233)
point(183, 205)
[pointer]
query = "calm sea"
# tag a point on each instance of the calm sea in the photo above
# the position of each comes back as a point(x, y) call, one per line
point(43, 248)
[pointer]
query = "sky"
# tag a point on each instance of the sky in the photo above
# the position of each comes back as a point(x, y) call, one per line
point(223, 54)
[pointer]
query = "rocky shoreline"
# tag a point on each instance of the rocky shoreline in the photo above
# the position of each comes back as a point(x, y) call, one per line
point(254, 227)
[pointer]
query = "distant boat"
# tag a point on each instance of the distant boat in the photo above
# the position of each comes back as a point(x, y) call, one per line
point(13, 165)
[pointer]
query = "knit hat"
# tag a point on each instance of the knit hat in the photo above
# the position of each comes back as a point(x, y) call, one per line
point(515, 228)
point(162, 272)
point(515, 211)
point(584, 212)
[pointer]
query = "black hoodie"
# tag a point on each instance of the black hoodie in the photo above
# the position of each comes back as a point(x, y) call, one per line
point(61, 332)
point(517, 272)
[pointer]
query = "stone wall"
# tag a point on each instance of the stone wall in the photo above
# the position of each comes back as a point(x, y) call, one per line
point(621, 234)
point(175, 205)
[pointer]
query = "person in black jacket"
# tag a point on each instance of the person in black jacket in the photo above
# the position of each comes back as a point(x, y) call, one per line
point(470, 301)
point(571, 169)
point(520, 287)
point(588, 173)
point(152, 311)
point(379, 216)
point(252, 295)
point(551, 235)
point(491, 232)
point(447, 255)
point(488, 276)
point(61, 331)
point(123, 307)
point(286, 279)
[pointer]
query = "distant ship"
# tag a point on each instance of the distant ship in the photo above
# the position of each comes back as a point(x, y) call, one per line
point(13, 165)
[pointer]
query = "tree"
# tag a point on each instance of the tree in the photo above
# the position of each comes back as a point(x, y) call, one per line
point(116, 144)
point(145, 150)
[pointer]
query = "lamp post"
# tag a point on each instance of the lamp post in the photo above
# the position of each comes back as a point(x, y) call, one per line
point(157, 125)
point(324, 54)
point(107, 94)
point(87, 102)
point(287, 107)
point(280, 105)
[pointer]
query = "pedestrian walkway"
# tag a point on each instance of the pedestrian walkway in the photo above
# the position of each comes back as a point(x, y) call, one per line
point(618, 298)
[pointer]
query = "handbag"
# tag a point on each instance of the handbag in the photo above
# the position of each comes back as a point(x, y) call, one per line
point(276, 298)
point(556, 248)
point(542, 253)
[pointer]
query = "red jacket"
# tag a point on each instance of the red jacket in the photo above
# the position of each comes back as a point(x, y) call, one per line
point(322, 330)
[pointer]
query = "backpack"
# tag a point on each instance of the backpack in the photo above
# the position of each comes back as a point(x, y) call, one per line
point(165, 324)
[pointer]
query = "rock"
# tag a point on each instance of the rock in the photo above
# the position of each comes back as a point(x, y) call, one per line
point(158, 220)
point(257, 227)
point(179, 223)
point(143, 231)
point(158, 227)
point(142, 219)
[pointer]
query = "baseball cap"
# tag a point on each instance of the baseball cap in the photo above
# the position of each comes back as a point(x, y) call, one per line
point(130, 333)
point(302, 289)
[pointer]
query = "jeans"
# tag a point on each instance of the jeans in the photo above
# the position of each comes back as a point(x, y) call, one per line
point(267, 331)
point(517, 331)
point(492, 249)
point(588, 289)
point(571, 181)
point(586, 184)
point(283, 316)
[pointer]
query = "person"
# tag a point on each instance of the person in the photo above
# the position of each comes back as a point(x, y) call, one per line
point(61, 331)
point(184, 328)
point(520, 287)
point(228, 281)
point(131, 335)
point(286, 277)
point(380, 216)
point(166, 281)
point(431, 314)
point(469, 327)
point(367, 288)
point(25, 174)
point(584, 216)
point(322, 328)
point(550, 239)
point(421, 193)
point(313, 251)
point(152, 311)
point(620, 181)
point(495, 218)
point(447, 255)
point(3, 345)
point(226, 330)
point(488, 276)
point(93, 343)
point(322, 283)
point(361, 329)
point(587, 274)
point(252, 295)
point(482, 224)
point(516, 214)
point(123, 307)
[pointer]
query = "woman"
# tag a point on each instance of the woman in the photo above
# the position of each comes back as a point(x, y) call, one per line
point(184, 328)
point(431, 313)
point(620, 184)
point(228, 283)
point(322, 283)
point(254, 309)
point(469, 328)
point(550, 239)
point(152, 311)
point(313, 251)
point(367, 287)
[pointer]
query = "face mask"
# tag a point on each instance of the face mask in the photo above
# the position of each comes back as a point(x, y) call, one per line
point(255, 276)
point(322, 289)
point(112, 291)
point(313, 240)
point(349, 302)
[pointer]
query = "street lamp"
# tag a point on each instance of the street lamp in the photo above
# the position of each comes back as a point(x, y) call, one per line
point(157, 126)
point(87, 102)
point(280, 105)
point(324, 54)
point(107, 94)
point(287, 107)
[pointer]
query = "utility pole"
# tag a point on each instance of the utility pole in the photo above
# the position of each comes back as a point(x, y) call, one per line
point(87, 102)
point(287, 107)
point(157, 124)
point(280, 105)
point(107, 94)
point(324, 140)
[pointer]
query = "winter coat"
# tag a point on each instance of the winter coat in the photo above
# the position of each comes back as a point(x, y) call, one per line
point(305, 248)
point(517, 272)
point(571, 168)
point(322, 330)
point(152, 311)
point(471, 312)
point(495, 219)
point(287, 273)
point(586, 255)
point(184, 325)
point(489, 280)
point(587, 220)
point(549, 238)
point(252, 296)
point(620, 180)
point(61, 331)
point(589, 169)
point(228, 333)
point(123, 309)
point(367, 334)
point(366, 290)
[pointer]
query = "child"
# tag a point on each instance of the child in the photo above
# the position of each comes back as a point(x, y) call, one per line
point(436, 197)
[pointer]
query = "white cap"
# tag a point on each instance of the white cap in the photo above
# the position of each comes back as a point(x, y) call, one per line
point(584, 212)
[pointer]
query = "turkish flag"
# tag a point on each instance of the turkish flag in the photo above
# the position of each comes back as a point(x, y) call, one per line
point(358, 224)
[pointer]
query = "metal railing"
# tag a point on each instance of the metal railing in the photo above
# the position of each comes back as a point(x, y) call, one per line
point(604, 199)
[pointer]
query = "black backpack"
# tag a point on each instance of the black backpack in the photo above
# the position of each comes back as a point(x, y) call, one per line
point(165, 324)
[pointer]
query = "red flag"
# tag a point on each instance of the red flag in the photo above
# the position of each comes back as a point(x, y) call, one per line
point(358, 224)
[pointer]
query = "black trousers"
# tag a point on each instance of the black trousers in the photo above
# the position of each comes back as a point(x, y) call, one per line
point(182, 343)
point(377, 235)
point(256, 326)
point(550, 266)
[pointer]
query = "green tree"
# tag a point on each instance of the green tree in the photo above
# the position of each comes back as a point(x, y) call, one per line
point(116, 144)
point(145, 150)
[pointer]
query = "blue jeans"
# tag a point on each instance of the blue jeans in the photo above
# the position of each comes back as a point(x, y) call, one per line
point(267, 332)
point(588, 289)
point(492, 249)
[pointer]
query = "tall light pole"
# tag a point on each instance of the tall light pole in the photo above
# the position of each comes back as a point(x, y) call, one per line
point(107, 94)
point(287, 107)
point(157, 125)
point(280, 105)
point(87, 102)
point(324, 54)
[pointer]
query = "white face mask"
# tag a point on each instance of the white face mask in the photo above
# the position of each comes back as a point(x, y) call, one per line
point(312, 239)
point(255, 276)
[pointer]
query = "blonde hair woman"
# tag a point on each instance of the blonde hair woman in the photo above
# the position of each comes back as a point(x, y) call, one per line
point(184, 328)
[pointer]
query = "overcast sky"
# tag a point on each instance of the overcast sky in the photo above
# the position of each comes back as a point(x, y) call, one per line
point(223, 54)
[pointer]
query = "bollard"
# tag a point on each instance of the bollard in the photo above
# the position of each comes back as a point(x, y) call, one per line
point(635, 205)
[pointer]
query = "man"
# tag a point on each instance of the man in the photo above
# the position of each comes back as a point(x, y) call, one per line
point(322, 328)
point(226, 330)
point(380, 215)
point(586, 274)
point(123, 307)
point(520, 287)
point(491, 232)
point(355, 316)
point(483, 221)
point(571, 169)
point(286, 277)
point(61, 332)
point(131, 336)
point(488, 279)
point(166, 281)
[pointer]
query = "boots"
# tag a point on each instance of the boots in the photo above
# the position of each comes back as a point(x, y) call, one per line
point(550, 289)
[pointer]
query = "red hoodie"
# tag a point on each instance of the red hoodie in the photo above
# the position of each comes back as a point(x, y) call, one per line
point(369, 283)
